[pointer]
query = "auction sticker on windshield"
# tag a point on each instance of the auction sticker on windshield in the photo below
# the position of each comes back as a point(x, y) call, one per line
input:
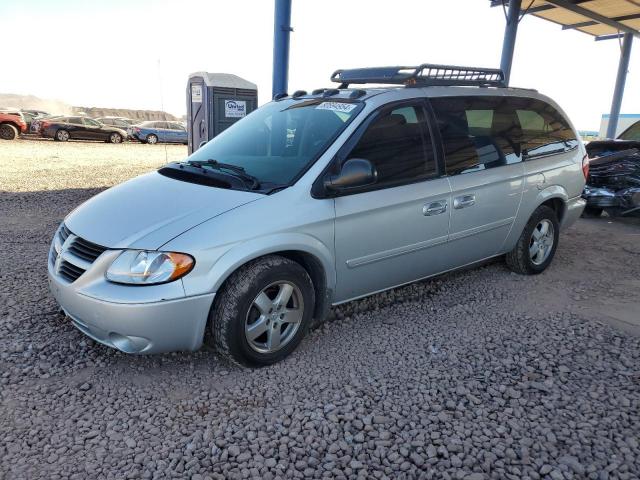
point(337, 106)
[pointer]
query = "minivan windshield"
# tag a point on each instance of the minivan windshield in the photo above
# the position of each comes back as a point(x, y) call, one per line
point(277, 142)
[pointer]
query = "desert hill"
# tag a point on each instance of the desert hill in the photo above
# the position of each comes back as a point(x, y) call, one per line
point(11, 100)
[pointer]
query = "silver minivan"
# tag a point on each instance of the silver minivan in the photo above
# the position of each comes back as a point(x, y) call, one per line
point(316, 199)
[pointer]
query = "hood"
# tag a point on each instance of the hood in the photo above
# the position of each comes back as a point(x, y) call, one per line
point(148, 211)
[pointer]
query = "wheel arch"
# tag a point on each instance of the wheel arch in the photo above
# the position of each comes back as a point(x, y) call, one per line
point(307, 251)
point(554, 197)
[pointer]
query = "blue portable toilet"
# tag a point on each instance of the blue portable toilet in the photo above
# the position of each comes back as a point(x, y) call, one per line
point(216, 101)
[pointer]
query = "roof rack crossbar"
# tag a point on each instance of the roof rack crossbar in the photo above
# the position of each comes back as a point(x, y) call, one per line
point(427, 74)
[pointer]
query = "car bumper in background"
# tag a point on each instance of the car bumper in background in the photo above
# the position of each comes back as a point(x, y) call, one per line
point(153, 327)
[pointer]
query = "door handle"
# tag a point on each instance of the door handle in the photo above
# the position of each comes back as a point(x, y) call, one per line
point(434, 208)
point(464, 201)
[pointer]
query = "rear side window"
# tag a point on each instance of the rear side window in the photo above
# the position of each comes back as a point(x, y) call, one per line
point(75, 120)
point(399, 145)
point(478, 133)
point(544, 130)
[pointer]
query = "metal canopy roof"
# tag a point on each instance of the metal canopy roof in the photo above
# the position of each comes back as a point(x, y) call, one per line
point(600, 18)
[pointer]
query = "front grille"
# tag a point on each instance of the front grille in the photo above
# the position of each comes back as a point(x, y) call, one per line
point(63, 233)
point(75, 255)
point(86, 250)
point(69, 271)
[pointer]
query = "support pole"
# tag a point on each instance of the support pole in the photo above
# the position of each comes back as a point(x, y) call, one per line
point(281, 30)
point(621, 79)
point(509, 42)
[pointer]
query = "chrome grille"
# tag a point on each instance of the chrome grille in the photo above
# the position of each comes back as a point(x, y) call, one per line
point(86, 250)
point(63, 233)
point(69, 271)
point(71, 255)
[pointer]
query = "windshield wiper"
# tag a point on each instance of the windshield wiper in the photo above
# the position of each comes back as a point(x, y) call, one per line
point(234, 169)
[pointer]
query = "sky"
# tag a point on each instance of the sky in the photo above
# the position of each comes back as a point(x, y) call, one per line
point(139, 54)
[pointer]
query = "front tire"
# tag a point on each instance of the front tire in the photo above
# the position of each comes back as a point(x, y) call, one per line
point(115, 138)
point(263, 311)
point(8, 132)
point(152, 139)
point(537, 244)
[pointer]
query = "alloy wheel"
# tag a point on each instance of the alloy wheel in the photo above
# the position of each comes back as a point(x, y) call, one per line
point(541, 242)
point(274, 317)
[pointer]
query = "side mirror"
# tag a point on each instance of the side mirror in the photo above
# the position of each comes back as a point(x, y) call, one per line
point(355, 172)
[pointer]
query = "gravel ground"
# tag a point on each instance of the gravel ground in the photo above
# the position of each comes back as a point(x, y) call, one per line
point(475, 375)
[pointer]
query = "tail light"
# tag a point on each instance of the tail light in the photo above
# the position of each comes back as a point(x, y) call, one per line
point(585, 166)
point(136, 129)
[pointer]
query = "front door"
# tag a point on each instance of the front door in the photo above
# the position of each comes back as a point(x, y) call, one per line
point(396, 232)
point(93, 130)
point(481, 139)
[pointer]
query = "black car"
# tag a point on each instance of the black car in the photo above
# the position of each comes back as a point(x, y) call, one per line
point(80, 128)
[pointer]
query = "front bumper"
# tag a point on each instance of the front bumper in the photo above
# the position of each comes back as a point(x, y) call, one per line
point(575, 206)
point(149, 327)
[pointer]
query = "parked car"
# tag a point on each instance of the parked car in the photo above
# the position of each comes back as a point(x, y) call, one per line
point(63, 129)
point(613, 185)
point(29, 118)
point(35, 124)
point(318, 199)
point(152, 132)
point(122, 123)
point(12, 124)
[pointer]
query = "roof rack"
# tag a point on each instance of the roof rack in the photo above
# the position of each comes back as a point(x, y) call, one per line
point(423, 75)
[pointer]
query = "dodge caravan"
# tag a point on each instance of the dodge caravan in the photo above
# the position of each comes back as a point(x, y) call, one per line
point(316, 199)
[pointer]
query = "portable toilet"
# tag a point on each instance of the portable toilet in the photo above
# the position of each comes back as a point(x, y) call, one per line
point(214, 102)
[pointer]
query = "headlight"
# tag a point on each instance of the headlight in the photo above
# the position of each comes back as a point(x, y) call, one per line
point(140, 267)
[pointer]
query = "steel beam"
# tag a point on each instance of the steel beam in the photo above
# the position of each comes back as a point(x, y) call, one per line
point(572, 7)
point(509, 41)
point(609, 37)
point(623, 66)
point(281, 30)
point(592, 23)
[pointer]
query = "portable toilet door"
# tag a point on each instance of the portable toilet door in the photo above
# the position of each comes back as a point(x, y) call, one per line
point(197, 113)
point(215, 101)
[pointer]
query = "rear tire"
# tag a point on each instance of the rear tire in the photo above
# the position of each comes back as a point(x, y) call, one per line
point(62, 135)
point(8, 132)
point(151, 139)
point(263, 311)
point(537, 244)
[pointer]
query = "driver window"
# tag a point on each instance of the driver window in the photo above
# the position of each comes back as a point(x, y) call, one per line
point(399, 145)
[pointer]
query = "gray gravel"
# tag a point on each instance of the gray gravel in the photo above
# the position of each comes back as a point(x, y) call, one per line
point(476, 375)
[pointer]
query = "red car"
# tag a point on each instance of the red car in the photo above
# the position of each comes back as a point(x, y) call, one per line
point(11, 125)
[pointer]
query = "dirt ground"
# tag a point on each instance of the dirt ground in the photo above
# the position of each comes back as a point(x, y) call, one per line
point(476, 374)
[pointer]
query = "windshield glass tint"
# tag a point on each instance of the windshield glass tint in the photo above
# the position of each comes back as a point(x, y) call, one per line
point(277, 142)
